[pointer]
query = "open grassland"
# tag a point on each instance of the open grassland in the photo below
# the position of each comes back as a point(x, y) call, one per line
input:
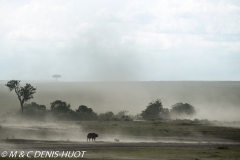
point(155, 129)
point(150, 140)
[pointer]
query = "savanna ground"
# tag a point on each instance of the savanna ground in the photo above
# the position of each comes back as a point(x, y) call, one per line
point(138, 139)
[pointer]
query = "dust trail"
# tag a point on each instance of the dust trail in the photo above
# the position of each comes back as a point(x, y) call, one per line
point(42, 131)
point(235, 124)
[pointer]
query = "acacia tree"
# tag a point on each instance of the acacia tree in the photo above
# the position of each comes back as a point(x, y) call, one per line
point(23, 93)
point(84, 109)
point(59, 106)
point(56, 76)
point(153, 110)
point(180, 109)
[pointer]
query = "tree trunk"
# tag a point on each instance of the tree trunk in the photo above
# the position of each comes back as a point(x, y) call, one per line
point(22, 108)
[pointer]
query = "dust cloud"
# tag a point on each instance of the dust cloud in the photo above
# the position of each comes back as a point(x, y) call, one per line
point(42, 131)
point(212, 100)
point(68, 132)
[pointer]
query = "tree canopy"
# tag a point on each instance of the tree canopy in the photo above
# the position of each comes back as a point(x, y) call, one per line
point(35, 111)
point(24, 93)
point(84, 109)
point(34, 106)
point(179, 109)
point(60, 106)
point(153, 110)
point(56, 76)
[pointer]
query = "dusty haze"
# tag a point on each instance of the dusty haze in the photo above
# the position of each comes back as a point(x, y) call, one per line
point(212, 100)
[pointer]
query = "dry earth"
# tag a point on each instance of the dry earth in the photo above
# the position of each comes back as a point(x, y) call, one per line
point(53, 137)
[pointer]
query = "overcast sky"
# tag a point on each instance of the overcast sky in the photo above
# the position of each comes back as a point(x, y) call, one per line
point(109, 40)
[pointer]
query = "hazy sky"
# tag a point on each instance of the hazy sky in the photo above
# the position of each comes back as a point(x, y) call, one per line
point(98, 40)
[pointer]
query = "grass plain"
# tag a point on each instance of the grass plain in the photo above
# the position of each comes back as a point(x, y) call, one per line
point(175, 140)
